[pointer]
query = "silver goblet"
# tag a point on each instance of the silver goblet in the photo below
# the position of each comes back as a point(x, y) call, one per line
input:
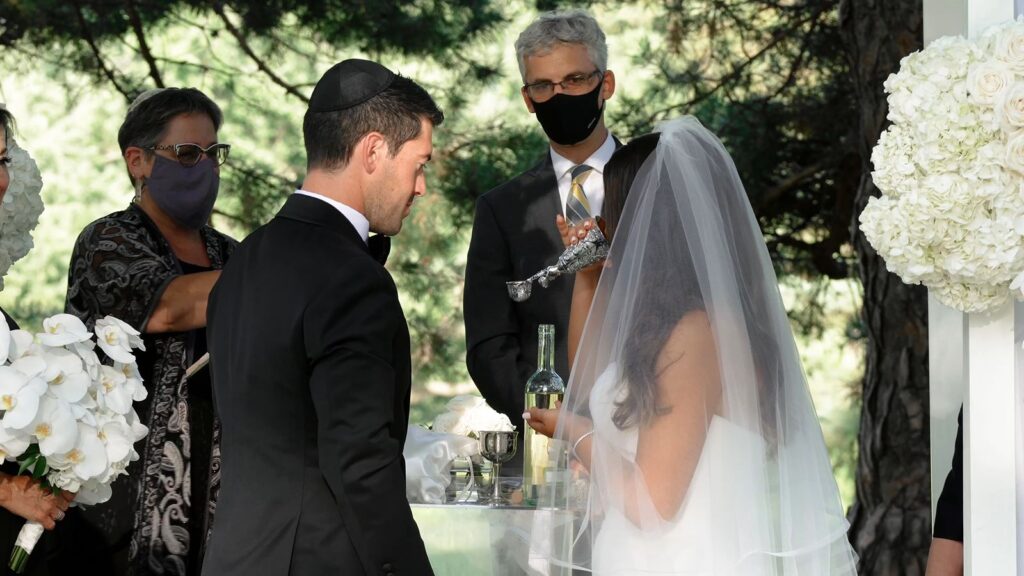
point(498, 446)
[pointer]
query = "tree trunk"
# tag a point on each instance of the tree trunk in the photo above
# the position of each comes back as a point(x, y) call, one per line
point(891, 517)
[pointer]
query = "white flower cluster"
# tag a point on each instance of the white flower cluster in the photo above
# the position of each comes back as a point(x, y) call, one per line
point(59, 401)
point(20, 209)
point(951, 170)
point(469, 414)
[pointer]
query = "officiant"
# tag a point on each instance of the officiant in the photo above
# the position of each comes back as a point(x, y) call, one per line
point(563, 61)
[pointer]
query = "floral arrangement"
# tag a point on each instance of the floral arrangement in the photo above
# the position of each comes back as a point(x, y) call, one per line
point(20, 209)
point(67, 418)
point(467, 414)
point(951, 170)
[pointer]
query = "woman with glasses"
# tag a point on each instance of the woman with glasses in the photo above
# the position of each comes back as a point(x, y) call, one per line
point(152, 265)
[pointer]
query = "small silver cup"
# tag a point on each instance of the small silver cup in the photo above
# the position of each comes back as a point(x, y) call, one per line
point(498, 446)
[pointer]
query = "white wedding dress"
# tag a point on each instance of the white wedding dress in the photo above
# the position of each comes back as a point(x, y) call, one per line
point(762, 499)
point(718, 507)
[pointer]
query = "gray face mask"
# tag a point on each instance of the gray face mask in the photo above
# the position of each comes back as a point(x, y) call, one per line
point(186, 194)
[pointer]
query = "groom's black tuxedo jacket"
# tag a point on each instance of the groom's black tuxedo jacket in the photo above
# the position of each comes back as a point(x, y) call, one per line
point(310, 361)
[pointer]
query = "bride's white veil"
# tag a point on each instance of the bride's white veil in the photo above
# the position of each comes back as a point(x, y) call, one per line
point(762, 499)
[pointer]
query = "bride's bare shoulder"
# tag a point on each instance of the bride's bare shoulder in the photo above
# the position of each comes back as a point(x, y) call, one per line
point(691, 337)
point(687, 365)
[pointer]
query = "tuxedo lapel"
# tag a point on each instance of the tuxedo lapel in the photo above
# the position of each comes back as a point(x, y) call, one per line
point(550, 204)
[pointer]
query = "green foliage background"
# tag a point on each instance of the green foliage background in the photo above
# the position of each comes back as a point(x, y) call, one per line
point(68, 119)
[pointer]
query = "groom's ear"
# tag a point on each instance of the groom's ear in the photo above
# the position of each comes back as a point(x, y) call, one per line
point(373, 150)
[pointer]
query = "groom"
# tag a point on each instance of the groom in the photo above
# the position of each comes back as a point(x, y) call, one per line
point(309, 349)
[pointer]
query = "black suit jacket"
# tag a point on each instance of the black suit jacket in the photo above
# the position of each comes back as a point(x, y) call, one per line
point(311, 373)
point(514, 236)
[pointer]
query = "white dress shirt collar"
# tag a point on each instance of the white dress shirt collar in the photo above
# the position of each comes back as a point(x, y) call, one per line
point(597, 160)
point(359, 222)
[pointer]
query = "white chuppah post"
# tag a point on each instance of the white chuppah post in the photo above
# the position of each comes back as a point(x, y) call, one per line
point(972, 358)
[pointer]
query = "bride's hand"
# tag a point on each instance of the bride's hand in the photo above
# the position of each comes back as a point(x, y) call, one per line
point(542, 421)
point(26, 497)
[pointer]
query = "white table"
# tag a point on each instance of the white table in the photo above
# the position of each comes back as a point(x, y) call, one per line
point(479, 540)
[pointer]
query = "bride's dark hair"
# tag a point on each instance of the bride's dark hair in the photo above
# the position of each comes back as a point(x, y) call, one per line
point(7, 123)
point(656, 312)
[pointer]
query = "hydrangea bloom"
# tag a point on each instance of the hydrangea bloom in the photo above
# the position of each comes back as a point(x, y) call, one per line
point(20, 209)
point(951, 170)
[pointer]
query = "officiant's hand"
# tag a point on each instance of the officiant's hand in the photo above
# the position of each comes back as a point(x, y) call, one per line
point(26, 497)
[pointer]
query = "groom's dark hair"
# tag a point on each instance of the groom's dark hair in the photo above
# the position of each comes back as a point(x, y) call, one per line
point(396, 113)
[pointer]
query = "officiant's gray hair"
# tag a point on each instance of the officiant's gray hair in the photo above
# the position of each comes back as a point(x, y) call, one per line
point(573, 26)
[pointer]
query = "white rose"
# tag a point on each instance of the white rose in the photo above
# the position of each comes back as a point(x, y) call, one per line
point(485, 418)
point(1009, 46)
point(987, 80)
point(464, 402)
point(1014, 158)
point(445, 422)
point(1011, 107)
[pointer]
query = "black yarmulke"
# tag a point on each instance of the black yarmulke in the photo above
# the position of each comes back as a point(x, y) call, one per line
point(348, 83)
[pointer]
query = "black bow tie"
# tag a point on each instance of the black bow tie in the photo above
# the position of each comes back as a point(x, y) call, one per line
point(379, 246)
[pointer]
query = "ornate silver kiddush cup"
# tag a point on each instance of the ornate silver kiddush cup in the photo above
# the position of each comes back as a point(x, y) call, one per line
point(498, 446)
point(592, 249)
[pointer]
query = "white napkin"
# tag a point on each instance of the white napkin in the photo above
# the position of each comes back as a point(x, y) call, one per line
point(428, 462)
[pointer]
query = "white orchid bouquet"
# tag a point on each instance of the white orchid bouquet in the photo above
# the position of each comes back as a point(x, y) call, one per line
point(468, 414)
point(67, 418)
point(951, 170)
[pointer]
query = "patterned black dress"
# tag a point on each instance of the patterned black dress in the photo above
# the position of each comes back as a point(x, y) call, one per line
point(160, 513)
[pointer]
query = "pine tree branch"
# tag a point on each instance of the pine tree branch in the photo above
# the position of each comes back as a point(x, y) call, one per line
point(244, 45)
point(737, 70)
point(140, 35)
point(91, 41)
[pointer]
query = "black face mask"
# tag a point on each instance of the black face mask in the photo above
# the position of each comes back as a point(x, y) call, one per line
point(567, 119)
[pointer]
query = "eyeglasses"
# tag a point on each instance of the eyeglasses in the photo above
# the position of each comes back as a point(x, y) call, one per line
point(575, 85)
point(190, 154)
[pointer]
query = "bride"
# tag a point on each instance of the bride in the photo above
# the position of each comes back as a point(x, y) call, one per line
point(687, 405)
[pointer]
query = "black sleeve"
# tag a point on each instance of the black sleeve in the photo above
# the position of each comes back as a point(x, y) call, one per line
point(493, 350)
point(949, 511)
point(114, 271)
point(349, 330)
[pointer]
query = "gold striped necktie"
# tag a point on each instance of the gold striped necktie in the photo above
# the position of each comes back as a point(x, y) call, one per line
point(577, 208)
